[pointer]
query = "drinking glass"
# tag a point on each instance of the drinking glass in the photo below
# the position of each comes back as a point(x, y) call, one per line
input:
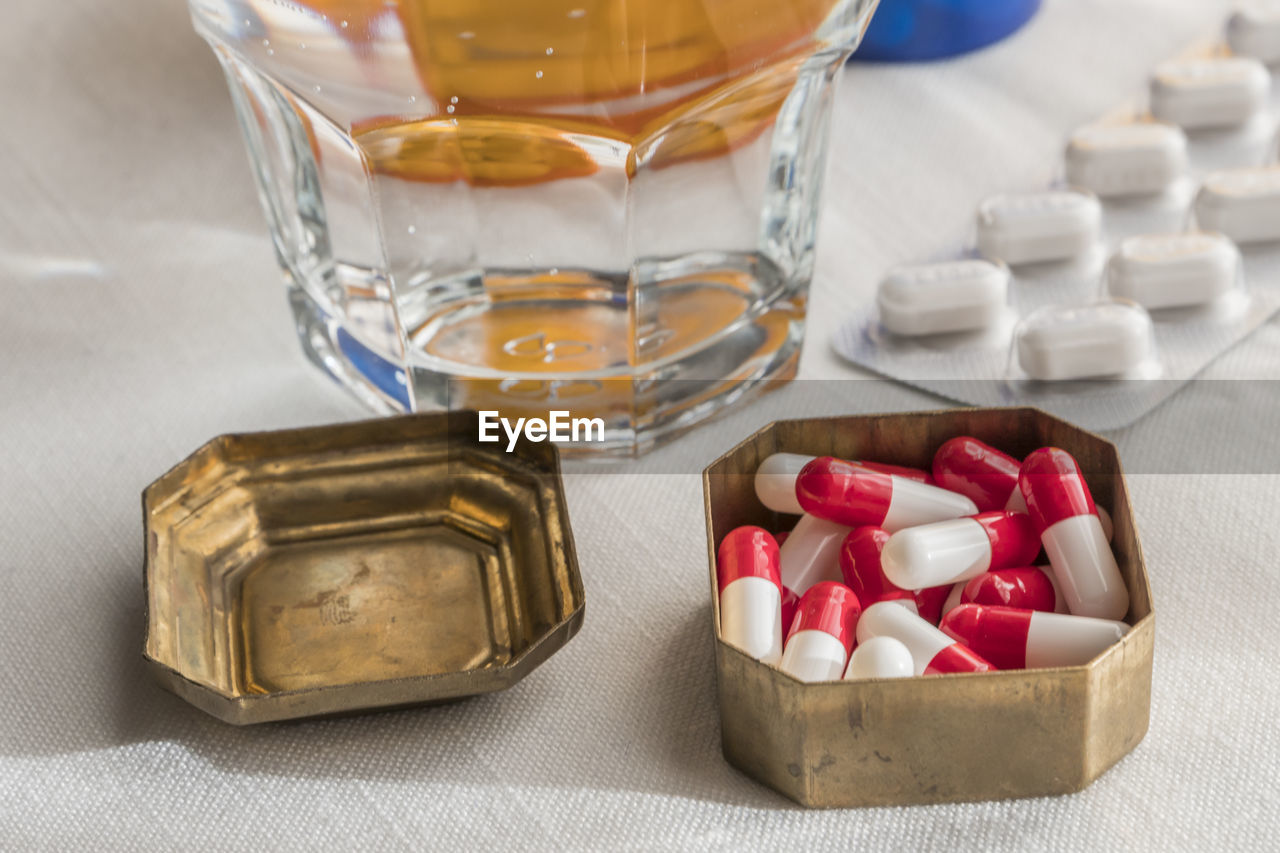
point(601, 206)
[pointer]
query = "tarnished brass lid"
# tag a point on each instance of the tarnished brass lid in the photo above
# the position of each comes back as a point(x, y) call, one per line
point(357, 566)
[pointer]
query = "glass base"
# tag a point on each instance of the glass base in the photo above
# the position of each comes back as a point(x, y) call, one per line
point(651, 354)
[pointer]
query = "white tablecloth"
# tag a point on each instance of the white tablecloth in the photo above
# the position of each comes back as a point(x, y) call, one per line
point(142, 314)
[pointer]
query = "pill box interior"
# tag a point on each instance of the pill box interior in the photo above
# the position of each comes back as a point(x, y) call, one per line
point(361, 566)
point(942, 738)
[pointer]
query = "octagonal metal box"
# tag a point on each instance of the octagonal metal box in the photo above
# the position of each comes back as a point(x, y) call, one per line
point(358, 566)
point(943, 738)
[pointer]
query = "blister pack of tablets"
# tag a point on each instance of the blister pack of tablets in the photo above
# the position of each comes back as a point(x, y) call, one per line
point(1156, 250)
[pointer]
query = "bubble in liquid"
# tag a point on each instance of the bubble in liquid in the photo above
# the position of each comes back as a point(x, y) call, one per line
point(454, 99)
point(466, 34)
point(449, 109)
point(413, 229)
point(317, 90)
point(577, 13)
point(538, 74)
point(550, 51)
point(413, 99)
point(345, 25)
point(302, 45)
point(266, 42)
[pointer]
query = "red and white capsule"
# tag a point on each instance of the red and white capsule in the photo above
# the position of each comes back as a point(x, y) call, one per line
point(811, 553)
point(822, 633)
point(958, 549)
point(1060, 505)
point(932, 652)
point(1027, 639)
point(987, 476)
point(1027, 588)
point(860, 566)
point(854, 495)
point(863, 572)
point(750, 593)
point(775, 479)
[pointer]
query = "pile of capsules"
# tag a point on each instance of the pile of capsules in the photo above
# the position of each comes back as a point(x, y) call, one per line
point(1138, 158)
point(938, 567)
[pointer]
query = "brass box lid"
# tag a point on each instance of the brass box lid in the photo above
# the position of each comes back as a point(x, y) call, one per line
point(938, 738)
point(357, 566)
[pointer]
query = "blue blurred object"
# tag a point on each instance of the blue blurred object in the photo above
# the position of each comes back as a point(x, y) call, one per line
point(384, 375)
point(908, 30)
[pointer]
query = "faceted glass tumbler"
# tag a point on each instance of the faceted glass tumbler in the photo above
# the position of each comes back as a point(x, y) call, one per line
point(602, 206)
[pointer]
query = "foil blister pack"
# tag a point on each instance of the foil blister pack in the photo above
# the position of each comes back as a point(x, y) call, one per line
point(1155, 251)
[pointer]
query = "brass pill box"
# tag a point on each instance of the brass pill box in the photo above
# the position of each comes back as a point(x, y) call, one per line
point(935, 739)
point(358, 566)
